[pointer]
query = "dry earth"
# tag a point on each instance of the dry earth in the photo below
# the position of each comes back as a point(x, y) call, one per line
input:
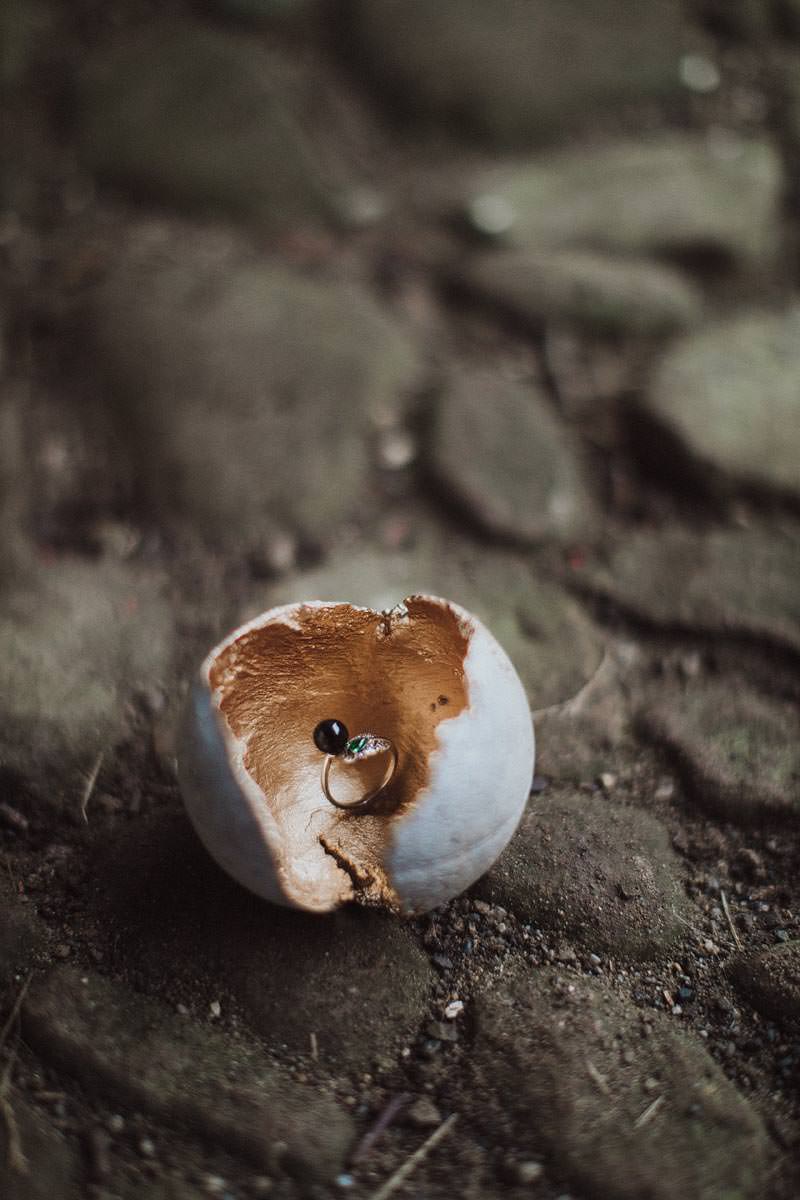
point(303, 298)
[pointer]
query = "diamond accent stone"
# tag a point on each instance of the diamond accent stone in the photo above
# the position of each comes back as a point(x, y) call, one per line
point(365, 745)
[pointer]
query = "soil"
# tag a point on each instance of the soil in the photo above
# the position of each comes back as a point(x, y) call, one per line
point(167, 1034)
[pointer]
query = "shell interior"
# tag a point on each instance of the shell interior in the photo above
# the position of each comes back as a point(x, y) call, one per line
point(398, 675)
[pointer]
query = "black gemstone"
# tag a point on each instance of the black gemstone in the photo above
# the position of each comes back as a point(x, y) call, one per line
point(331, 736)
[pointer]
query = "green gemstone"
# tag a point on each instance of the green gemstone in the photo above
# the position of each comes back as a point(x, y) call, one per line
point(356, 745)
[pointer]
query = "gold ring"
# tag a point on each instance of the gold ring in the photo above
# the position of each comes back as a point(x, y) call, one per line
point(332, 738)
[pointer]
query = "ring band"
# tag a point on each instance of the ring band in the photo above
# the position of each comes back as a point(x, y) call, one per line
point(364, 746)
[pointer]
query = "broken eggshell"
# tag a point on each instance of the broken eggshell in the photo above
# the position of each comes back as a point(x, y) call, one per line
point(426, 674)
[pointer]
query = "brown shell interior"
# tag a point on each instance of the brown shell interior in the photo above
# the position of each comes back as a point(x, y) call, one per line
point(397, 675)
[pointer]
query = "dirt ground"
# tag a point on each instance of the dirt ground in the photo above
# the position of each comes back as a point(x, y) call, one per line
point(304, 299)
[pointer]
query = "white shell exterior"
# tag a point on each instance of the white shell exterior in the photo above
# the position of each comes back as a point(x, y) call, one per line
point(479, 779)
point(480, 782)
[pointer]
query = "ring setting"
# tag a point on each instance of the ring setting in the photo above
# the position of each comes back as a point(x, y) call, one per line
point(332, 738)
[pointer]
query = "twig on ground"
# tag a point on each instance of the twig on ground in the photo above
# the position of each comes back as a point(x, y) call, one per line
point(17, 1005)
point(698, 933)
point(91, 780)
point(382, 1123)
point(599, 1079)
point(312, 1037)
point(648, 1113)
point(16, 1156)
point(403, 1171)
point(729, 919)
point(573, 704)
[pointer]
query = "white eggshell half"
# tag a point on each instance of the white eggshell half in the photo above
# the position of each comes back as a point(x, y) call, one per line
point(480, 781)
point(283, 840)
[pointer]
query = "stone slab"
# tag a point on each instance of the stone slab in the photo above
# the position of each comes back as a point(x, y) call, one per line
point(77, 641)
point(770, 980)
point(133, 1050)
point(600, 873)
point(511, 73)
point(727, 582)
point(598, 292)
point(499, 452)
point(194, 116)
point(738, 748)
point(356, 978)
point(729, 395)
point(673, 195)
point(243, 392)
point(568, 1061)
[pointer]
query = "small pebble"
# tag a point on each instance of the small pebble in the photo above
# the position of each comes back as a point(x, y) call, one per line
point(344, 1181)
point(490, 215)
point(361, 207)
point(665, 789)
point(280, 554)
point(115, 1123)
point(608, 781)
point(424, 1114)
point(147, 1147)
point(529, 1172)
point(699, 74)
point(453, 1009)
point(691, 665)
point(396, 450)
point(215, 1008)
point(213, 1185)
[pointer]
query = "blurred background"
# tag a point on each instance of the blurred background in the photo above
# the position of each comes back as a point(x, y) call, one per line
point(347, 299)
